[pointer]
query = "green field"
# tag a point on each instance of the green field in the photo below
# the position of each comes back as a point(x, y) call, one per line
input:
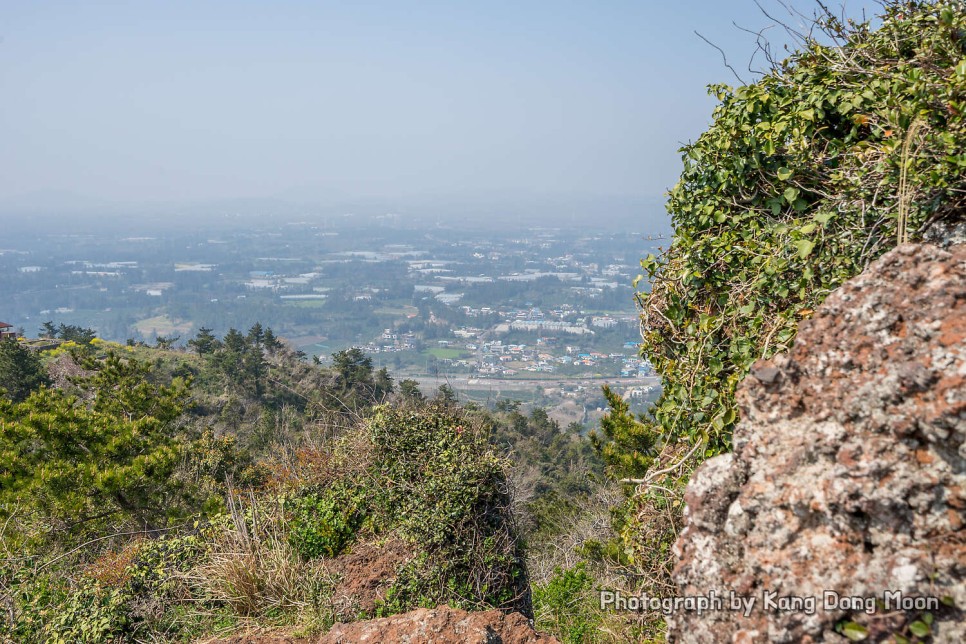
point(442, 353)
point(306, 304)
point(404, 310)
point(162, 325)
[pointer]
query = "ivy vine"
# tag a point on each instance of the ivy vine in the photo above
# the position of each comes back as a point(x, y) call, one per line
point(803, 179)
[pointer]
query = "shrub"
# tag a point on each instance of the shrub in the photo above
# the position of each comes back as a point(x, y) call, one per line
point(88, 615)
point(437, 481)
point(567, 607)
point(324, 522)
point(804, 177)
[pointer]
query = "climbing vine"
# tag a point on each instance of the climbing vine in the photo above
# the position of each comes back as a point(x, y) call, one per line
point(802, 180)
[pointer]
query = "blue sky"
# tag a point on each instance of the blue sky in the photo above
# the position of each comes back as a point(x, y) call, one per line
point(173, 101)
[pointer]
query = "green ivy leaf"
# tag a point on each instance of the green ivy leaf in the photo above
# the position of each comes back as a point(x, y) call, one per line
point(855, 632)
point(919, 629)
point(805, 247)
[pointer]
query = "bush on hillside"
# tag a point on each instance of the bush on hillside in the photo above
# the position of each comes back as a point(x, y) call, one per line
point(849, 146)
point(429, 476)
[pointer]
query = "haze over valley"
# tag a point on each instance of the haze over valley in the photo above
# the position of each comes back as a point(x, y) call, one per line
point(541, 314)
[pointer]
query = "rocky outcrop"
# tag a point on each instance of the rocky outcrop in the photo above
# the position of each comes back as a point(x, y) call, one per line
point(847, 486)
point(442, 625)
point(364, 575)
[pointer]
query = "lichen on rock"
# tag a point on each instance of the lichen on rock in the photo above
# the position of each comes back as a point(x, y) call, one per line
point(442, 625)
point(849, 470)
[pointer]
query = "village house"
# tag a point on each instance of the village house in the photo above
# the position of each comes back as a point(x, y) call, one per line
point(6, 331)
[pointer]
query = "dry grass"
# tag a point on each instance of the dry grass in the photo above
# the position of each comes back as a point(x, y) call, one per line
point(902, 232)
point(314, 464)
point(252, 569)
point(113, 568)
point(658, 517)
point(592, 522)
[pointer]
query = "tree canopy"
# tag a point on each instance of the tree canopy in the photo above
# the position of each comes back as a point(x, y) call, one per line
point(81, 462)
point(21, 371)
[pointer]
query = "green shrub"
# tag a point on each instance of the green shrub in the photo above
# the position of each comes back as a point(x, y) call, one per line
point(803, 178)
point(567, 607)
point(438, 483)
point(324, 522)
point(45, 607)
point(158, 561)
point(90, 614)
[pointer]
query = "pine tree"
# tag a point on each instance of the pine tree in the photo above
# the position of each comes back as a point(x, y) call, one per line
point(410, 390)
point(83, 467)
point(205, 342)
point(627, 445)
point(21, 371)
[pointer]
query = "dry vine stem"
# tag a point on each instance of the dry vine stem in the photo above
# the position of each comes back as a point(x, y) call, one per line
point(902, 232)
point(667, 470)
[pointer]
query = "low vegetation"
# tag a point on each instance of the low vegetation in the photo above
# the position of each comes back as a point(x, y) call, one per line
point(153, 493)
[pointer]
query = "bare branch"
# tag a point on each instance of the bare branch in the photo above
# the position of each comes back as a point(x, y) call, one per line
point(796, 35)
point(724, 58)
point(762, 45)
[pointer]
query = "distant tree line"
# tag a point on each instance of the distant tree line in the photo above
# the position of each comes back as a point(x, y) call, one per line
point(67, 332)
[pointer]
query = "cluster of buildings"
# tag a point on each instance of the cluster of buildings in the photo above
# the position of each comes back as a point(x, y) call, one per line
point(391, 342)
point(496, 358)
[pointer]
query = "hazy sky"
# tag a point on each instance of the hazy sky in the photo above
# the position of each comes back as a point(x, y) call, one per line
point(161, 101)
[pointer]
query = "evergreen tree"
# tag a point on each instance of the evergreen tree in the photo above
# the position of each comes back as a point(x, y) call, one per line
point(21, 371)
point(165, 342)
point(205, 342)
point(354, 368)
point(627, 445)
point(445, 394)
point(256, 335)
point(410, 390)
point(384, 385)
point(74, 333)
point(234, 341)
point(83, 467)
point(272, 343)
point(48, 330)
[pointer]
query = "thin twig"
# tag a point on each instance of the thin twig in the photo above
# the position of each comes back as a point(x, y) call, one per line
point(110, 536)
point(724, 58)
point(653, 475)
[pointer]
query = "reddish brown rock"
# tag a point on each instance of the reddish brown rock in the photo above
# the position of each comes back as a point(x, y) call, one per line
point(441, 625)
point(849, 468)
point(265, 638)
point(363, 575)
